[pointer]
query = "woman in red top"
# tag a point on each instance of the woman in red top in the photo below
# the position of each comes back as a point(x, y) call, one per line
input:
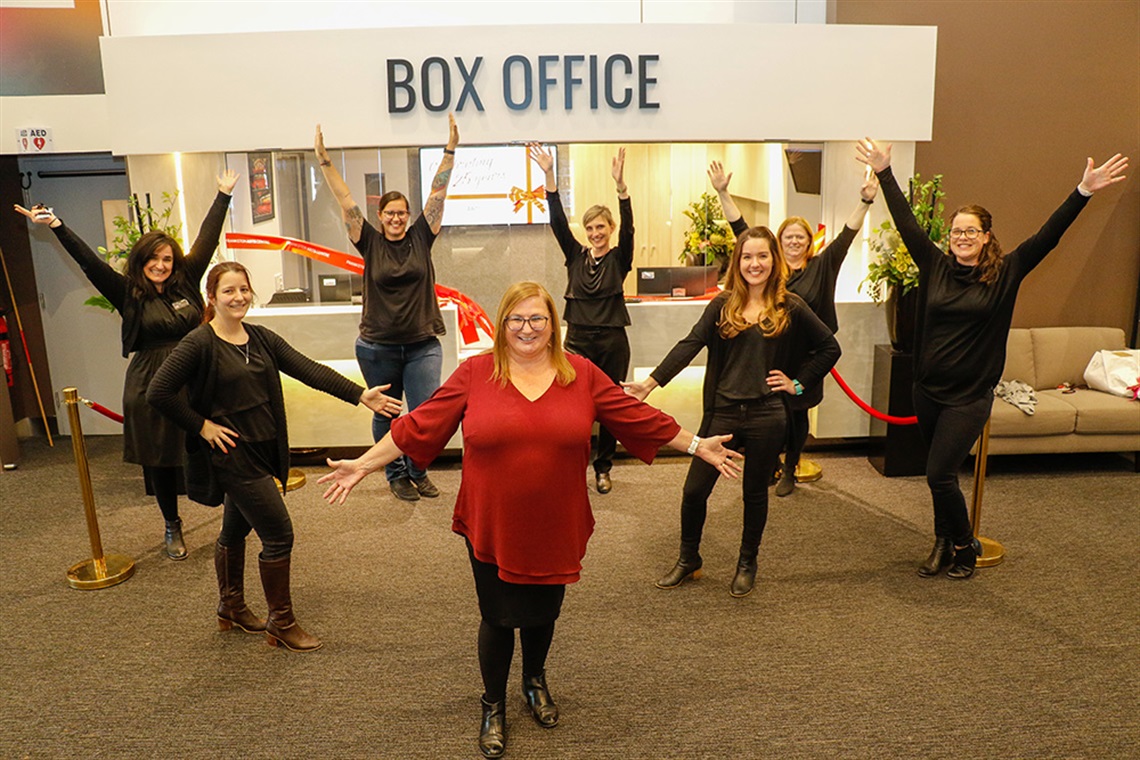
point(529, 403)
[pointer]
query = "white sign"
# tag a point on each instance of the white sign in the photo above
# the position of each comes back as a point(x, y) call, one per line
point(490, 185)
point(33, 140)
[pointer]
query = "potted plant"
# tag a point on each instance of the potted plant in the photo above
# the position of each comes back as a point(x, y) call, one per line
point(709, 239)
point(892, 278)
point(129, 231)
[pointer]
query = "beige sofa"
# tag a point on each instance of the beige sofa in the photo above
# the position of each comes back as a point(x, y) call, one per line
point(1086, 420)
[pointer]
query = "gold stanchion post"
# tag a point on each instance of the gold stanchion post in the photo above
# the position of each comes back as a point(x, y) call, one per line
point(992, 552)
point(100, 571)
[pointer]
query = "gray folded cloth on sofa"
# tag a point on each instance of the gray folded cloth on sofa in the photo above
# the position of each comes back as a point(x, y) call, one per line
point(1017, 393)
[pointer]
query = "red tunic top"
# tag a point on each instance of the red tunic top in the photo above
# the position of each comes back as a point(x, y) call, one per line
point(522, 501)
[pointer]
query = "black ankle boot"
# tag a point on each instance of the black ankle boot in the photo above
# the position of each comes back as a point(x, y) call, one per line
point(493, 730)
point(745, 577)
point(940, 558)
point(538, 698)
point(175, 546)
point(965, 561)
point(688, 566)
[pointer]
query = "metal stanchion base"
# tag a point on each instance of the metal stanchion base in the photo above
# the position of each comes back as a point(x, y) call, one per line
point(296, 480)
point(992, 552)
point(91, 574)
point(808, 471)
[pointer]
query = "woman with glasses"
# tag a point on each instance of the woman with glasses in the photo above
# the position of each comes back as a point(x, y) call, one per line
point(528, 405)
point(765, 346)
point(812, 277)
point(159, 301)
point(401, 324)
point(595, 314)
point(967, 300)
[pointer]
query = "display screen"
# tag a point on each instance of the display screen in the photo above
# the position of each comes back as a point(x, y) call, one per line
point(490, 184)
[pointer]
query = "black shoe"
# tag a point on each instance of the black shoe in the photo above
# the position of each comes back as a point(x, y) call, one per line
point(175, 546)
point(404, 489)
point(686, 568)
point(940, 558)
point(786, 484)
point(538, 698)
point(493, 729)
point(603, 482)
point(744, 579)
point(425, 487)
point(965, 561)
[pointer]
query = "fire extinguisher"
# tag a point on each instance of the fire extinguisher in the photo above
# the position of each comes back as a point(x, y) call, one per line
point(5, 347)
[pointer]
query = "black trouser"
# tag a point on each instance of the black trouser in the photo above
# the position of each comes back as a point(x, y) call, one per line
point(254, 502)
point(757, 432)
point(608, 348)
point(164, 481)
point(949, 432)
point(798, 427)
point(497, 647)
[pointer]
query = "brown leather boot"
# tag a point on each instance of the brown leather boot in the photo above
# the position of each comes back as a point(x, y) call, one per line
point(281, 629)
point(229, 563)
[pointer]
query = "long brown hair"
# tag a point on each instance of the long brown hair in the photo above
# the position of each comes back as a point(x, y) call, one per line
point(992, 257)
point(516, 294)
point(212, 279)
point(146, 248)
point(774, 315)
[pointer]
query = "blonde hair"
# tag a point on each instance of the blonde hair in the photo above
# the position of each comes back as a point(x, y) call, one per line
point(516, 294)
point(807, 228)
point(593, 212)
point(774, 317)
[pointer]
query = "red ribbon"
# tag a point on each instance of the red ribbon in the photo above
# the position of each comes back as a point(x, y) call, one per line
point(889, 418)
point(103, 410)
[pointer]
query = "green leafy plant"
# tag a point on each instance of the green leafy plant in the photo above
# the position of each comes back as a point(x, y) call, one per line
point(709, 235)
point(893, 266)
point(129, 230)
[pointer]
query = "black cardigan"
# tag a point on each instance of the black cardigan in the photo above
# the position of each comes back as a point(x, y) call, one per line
point(805, 351)
point(115, 287)
point(192, 365)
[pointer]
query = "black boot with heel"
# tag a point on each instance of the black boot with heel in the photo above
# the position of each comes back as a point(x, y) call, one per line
point(538, 698)
point(493, 729)
point(940, 558)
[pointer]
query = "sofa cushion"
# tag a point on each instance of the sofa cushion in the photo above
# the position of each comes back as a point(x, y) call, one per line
point(1100, 413)
point(1053, 417)
point(1019, 357)
point(1060, 354)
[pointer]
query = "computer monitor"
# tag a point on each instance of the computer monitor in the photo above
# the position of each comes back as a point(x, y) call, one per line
point(679, 282)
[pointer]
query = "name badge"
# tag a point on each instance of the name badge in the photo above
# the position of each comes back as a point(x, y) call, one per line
point(182, 303)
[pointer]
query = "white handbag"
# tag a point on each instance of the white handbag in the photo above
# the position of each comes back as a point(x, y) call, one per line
point(1116, 372)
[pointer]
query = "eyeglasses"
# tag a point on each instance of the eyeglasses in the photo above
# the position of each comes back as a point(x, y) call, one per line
point(970, 233)
point(536, 322)
point(394, 214)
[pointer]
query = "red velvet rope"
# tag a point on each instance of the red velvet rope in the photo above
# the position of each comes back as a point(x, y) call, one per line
point(890, 418)
point(103, 410)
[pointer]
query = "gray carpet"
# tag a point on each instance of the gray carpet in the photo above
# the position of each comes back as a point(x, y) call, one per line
point(841, 652)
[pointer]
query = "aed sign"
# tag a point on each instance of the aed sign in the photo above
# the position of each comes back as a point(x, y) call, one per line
point(617, 81)
point(33, 140)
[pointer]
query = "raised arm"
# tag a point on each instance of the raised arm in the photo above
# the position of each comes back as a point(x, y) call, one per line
point(110, 284)
point(836, 251)
point(918, 243)
point(625, 212)
point(202, 251)
point(719, 180)
point(433, 209)
point(350, 211)
point(559, 224)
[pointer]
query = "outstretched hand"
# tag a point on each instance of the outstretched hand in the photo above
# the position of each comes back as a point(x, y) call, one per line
point(227, 180)
point(870, 186)
point(1104, 175)
point(617, 170)
point(344, 477)
point(540, 156)
point(873, 154)
point(319, 147)
point(724, 459)
point(452, 132)
point(39, 213)
point(717, 178)
point(374, 399)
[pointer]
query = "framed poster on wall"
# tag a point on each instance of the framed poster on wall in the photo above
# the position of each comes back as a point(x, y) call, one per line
point(261, 186)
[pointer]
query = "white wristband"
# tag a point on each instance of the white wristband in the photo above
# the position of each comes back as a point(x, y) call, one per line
point(694, 444)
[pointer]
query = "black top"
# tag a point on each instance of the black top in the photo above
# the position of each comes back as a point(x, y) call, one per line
point(194, 365)
point(805, 351)
point(174, 312)
point(749, 356)
point(594, 289)
point(400, 306)
point(815, 281)
point(245, 406)
point(963, 324)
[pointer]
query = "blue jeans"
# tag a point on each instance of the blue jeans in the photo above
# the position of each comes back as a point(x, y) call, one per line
point(413, 371)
